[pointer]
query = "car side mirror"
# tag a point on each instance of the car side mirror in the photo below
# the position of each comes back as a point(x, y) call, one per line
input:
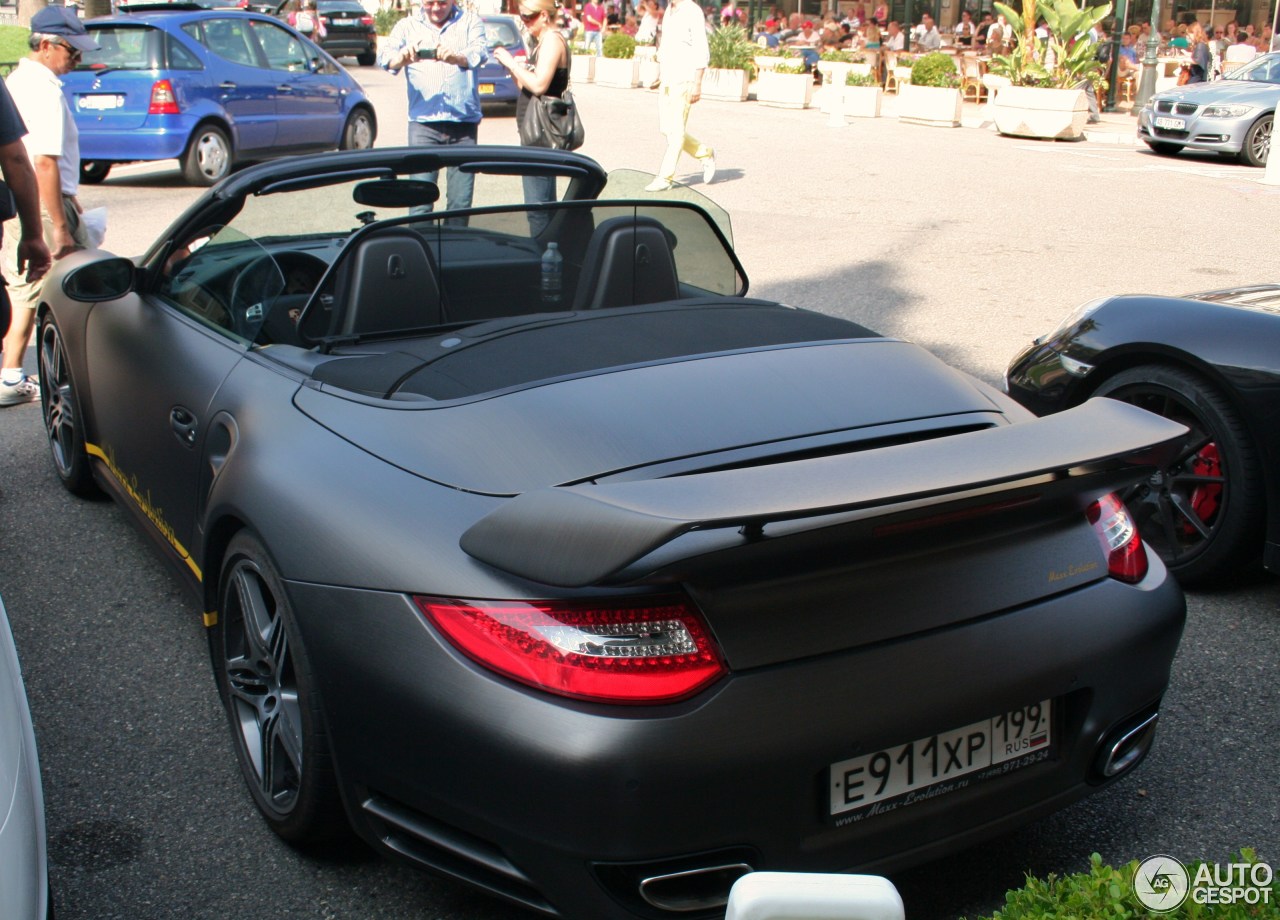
point(105, 279)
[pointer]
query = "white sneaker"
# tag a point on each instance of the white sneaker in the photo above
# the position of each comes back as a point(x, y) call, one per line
point(24, 391)
point(708, 168)
point(658, 185)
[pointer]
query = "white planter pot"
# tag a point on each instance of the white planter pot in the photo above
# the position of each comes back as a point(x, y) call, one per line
point(646, 53)
point(649, 72)
point(860, 101)
point(929, 105)
point(834, 72)
point(618, 72)
point(725, 85)
point(784, 90)
point(864, 69)
point(582, 68)
point(767, 62)
point(1029, 111)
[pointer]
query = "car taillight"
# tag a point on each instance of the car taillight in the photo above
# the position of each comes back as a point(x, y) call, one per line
point(647, 650)
point(366, 20)
point(1126, 556)
point(326, 21)
point(163, 101)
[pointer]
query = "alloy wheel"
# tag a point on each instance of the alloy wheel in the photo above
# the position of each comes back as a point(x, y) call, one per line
point(262, 686)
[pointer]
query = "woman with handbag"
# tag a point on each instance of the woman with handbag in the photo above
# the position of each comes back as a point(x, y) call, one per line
point(545, 75)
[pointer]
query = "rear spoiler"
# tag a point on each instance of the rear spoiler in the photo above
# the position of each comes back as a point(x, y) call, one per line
point(575, 536)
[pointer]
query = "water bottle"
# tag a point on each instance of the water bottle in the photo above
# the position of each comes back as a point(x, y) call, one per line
point(552, 273)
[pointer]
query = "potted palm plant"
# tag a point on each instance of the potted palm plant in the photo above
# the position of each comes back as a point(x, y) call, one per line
point(787, 86)
point(619, 66)
point(732, 65)
point(933, 95)
point(1046, 97)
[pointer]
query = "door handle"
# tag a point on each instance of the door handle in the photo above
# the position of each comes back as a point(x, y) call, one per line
point(284, 88)
point(184, 425)
point(227, 86)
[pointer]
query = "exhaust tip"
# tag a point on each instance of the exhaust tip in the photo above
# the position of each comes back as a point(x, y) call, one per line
point(692, 889)
point(1122, 750)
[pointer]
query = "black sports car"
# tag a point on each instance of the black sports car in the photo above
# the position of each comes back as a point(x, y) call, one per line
point(1208, 361)
point(536, 551)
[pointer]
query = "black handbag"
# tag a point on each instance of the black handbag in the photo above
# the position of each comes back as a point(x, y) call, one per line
point(552, 121)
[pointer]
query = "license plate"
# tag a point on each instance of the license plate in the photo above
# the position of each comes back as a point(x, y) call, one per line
point(933, 766)
point(1171, 124)
point(486, 89)
point(102, 102)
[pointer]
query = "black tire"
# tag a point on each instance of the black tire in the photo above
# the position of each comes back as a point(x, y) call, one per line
point(360, 131)
point(208, 156)
point(367, 60)
point(63, 421)
point(1257, 142)
point(271, 700)
point(94, 171)
point(1164, 148)
point(1203, 513)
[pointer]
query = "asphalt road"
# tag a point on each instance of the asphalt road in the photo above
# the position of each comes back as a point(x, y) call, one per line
point(963, 241)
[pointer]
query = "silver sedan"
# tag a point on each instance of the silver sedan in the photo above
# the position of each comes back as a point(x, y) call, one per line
point(1230, 117)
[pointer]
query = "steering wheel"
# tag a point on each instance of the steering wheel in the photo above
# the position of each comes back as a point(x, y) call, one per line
point(247, 317)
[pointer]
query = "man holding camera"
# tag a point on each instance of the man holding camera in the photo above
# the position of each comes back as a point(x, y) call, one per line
point(439, 47)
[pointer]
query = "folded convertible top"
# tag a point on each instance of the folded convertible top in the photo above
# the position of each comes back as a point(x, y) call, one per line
point(576, 536)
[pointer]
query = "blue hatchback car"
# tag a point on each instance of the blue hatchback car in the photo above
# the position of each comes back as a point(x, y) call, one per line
point(493, 81)
point(211, 88)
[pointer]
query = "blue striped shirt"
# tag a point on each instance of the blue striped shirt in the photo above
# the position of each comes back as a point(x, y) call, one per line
point(439, 91)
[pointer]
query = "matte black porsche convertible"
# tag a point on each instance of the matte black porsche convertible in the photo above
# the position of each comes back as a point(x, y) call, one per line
point(1209, 361)
point(536, 551)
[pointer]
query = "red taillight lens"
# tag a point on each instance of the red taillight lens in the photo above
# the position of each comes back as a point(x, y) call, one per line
point(650, 650)
point(367, 20)
point(163, 101)
point(1126, 556)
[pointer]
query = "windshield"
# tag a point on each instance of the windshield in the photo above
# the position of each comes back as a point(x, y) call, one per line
point(630, 183)
point(1265, 69)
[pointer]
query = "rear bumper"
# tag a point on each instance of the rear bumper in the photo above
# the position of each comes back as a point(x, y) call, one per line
point(162, 138)
point(562, 806)
point(344, 45)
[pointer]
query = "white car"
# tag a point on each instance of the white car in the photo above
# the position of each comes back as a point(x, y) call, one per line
point(24, 868)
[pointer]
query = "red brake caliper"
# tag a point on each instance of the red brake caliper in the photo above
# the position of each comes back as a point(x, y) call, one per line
point(1206, 496)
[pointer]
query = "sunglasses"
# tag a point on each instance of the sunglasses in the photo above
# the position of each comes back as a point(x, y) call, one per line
point(530, 17)
point(73, 52)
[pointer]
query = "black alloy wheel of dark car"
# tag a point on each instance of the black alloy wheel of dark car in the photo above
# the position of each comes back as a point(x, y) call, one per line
point(271, 700)
point(1201, 512)
point(207, 158)
point(94, 171)
point(1257, 142)
point(61, 410)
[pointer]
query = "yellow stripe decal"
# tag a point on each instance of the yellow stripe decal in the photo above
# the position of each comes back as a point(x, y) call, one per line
point(129, 484)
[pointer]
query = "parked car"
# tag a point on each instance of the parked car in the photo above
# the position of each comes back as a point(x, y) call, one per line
point(211, 88)
point(349, 30)
point(534, 549)
point(493, 81)
point(24, 865)
point(1231, 117)
point(1207, 361)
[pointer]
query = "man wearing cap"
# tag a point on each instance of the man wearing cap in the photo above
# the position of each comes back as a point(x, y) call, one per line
point(440, 47)
point(57, 39)
point(682, 57)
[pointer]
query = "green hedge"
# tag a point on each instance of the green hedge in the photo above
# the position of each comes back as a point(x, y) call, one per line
point(1106, 893)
